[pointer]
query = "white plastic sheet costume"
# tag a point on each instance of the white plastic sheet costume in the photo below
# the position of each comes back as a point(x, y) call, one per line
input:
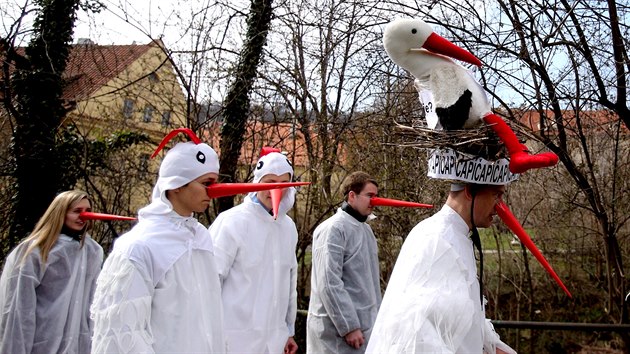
point(256, 261)
point(345, 284)
point(45, 308)
point(432, 303)
point(159, 290)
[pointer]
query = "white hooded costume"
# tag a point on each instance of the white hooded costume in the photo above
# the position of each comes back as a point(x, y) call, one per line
point(159, 290)
point(255, 257)
point(45, 308)
point(432, 303)
point(345, 284)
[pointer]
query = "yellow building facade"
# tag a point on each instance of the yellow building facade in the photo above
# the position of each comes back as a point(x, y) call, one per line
point(124, 87)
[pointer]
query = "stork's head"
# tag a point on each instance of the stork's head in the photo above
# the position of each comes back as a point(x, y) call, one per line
point(405, 36)
point(273, 167)
point(184, 163)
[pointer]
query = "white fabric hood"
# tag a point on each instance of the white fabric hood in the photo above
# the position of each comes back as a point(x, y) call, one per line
point(182, 164)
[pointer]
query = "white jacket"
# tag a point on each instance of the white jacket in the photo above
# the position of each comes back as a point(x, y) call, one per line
point(45, 308)
point(345, 284)
point(256, 261)
point(159, 290)
point(432, 303)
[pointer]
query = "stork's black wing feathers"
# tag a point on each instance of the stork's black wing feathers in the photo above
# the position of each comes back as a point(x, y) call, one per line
point(454, 116)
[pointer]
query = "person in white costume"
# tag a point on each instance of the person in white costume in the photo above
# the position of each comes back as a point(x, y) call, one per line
point(345, 276)
point(432, 302)
point(255, 257)
point(48, 281)
point(159, 290)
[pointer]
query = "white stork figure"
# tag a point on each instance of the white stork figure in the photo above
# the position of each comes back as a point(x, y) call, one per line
point(460, 102)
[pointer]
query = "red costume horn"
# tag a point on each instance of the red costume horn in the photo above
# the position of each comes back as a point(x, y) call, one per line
point(276, 197)
point(217, 190)
point(193, 137)
point(377, 201)
point(266, 150)
point(510, 221)
point(88, 215)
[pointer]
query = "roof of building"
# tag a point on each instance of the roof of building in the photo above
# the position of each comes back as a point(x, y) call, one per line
point(284, 136)
point(91, 66)
point(589, 120)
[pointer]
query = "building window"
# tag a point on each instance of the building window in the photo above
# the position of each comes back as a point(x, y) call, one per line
point(128, 108)
point(166, 118)
point(153, 78)
point(148, 113)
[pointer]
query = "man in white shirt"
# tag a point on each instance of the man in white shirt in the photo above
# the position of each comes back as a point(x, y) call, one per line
point(432, 303)
point(255, 256)
point(345, 276)
point(159, 290)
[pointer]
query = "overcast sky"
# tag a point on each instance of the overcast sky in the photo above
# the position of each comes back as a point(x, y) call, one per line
point(113, 26)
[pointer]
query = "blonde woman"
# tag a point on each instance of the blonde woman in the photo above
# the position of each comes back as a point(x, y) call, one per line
point(48, 282)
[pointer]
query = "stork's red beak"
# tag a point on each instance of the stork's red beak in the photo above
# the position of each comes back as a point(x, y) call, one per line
point(87, 215)
point(377, 201)
point(276, 197)
point(510, 221)
point(440, 45)
point(218, 190)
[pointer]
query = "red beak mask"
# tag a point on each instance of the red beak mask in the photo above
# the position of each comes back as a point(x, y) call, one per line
point(510, 221)
point(87, 215)
point(276, 198)
point(217, 190)
point(377, 201)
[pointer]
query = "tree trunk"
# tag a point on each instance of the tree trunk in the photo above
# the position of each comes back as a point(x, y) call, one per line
point(38, 110)
point(236, 109)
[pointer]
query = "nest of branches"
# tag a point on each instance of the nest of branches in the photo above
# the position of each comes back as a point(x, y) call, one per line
point(480, 141)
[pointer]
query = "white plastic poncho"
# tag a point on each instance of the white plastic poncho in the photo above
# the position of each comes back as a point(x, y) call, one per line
point(255, 257)
point(432, 303)
point(159, 290)
point(45, 308)
point(345, 284)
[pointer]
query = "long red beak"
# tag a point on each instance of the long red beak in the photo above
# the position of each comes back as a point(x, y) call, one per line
point(510, 221)
point(276, 197)
point(440, 45)
point(88, 215)
point(376, 201)
point(218, 190)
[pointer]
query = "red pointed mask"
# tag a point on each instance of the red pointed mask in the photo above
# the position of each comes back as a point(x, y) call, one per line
point(510, 221)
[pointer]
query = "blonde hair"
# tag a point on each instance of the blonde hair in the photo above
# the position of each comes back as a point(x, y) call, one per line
point(48, 228)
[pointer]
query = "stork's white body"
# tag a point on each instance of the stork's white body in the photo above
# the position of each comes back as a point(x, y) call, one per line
point(445, 78)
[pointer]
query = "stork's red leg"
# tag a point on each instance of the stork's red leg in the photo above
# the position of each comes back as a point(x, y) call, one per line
point(520, 159)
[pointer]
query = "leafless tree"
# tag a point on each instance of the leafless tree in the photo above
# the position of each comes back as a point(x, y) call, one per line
point(321, 66)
